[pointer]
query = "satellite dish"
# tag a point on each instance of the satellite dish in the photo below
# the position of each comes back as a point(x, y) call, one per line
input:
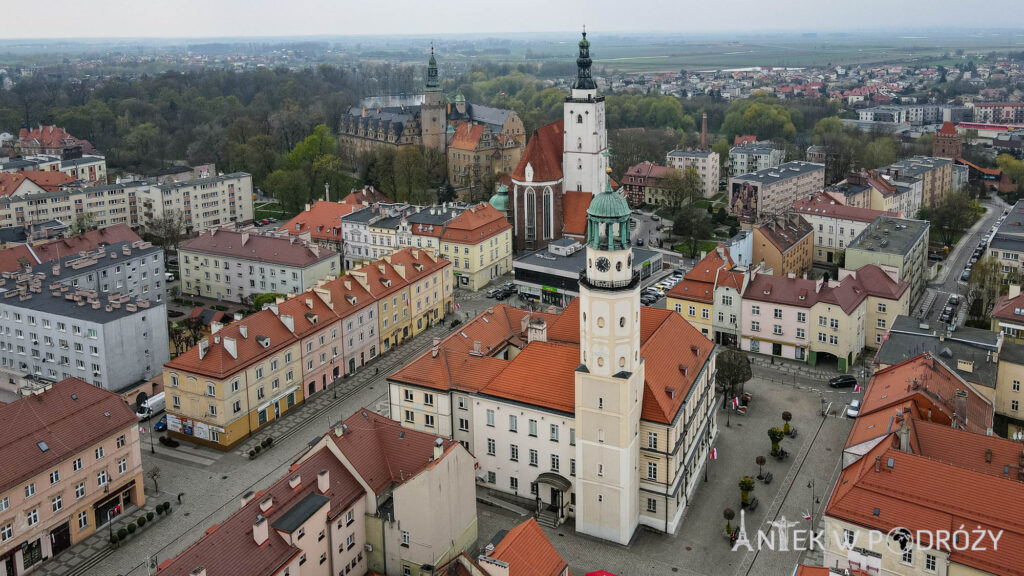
point(140, 402)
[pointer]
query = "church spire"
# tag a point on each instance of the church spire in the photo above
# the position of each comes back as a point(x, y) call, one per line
point(584, 81)
point(433, 81)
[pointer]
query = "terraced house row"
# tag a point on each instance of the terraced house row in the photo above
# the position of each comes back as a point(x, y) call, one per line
point(249, 373)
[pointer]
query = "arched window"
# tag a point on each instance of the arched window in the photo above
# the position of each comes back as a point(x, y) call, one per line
point(579, 118)
point(530, 212)
point(549, 212)
point(579, 143)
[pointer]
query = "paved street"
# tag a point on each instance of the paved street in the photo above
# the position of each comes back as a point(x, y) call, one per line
point(700, 547)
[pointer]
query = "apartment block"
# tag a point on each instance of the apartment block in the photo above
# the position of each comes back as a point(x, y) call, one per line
point(704, 162)
point(783, 244)
point(206, 203)
point(366, 497)
point(936, 176)
point(899, 243)
point(71, 464)
point(758, 195)
point(481, 238)
point(709, 296)
point(230, 264)
point(835, 224)
point(753, 157)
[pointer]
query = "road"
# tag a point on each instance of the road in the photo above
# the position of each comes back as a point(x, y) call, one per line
point(948, 282)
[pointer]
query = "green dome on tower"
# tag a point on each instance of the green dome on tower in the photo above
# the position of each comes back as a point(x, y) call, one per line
point(608, 219)
point(459, 97)
point(609, 204)
point(500, 199)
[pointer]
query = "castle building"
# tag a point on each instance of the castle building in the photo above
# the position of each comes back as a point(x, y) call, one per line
point(562, 167)
point(948, 142)
point(616, 432)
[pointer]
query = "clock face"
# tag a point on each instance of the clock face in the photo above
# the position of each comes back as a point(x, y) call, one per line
point(603, 264)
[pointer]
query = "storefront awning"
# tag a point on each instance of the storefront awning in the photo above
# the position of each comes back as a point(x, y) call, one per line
point(556, 480)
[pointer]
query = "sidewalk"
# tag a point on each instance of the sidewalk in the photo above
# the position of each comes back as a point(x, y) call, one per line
point(81, 557)
point(861, 368)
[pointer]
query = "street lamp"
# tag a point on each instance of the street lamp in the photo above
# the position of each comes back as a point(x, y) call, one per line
point(810, 484)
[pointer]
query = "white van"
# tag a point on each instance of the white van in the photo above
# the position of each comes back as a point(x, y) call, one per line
point(154, 405)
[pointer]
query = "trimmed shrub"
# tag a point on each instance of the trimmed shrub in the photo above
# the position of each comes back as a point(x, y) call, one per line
point(132, 528)
point(141, 521)
point(252, 454)
point(258, 448)
point(265, 443)
point(167, 507)
point(270, 441)
point(113, 539)
point(122, 533)
point(150, 516)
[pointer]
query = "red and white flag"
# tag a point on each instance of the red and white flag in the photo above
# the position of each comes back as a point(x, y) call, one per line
point(457, 306)
point(807, 516)
point(856, 388)
point(735, 402)
point(714, 453)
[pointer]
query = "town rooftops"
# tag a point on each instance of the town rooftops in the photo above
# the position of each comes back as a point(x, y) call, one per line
point(848, 292)
point(752, 149)
point(785, 231)
point(365, 196)
point(197, 182)
point(230, 547)
point(1009, 308)
point(50, 180)
point(1013, 224)
point(282, 251)
point(235, 346)
point(475, 224)
point(890, 235)
point(649, 169)
point(780, 172)
point(39, 431)
point(574, 262)
point(493, 118)
point(824, 205)
point(680, 153)
point(543, 153)
point(528, 552)
point(971, 352)
point(322, 220)
point(382, 453)
point(714, 270)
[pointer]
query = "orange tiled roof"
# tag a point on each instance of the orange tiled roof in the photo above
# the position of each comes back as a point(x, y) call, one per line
point(528, 552)
point(1005, 308)
point(543, 153)
point(574, 212)
point(467, 136)
point(367, 195)
point(90, 240)
point(322, 220)
point(948, 129)
point(304, 309)
point(16, 258)
point(51, 181)
point(519, 382)
point(218, 362)
point(823, 204)
point(475, 225)
point(786, 231)
point(699, 283)
point(693, 290)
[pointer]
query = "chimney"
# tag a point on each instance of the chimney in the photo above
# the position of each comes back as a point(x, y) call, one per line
point(294, 481)
point(231, 346)
point(878, 463)
point(905, 438)
point(438, 448)
point(288, 322)
point(323, 481)
point(524, 323)
point(215, 327)
point(1014, 291)
point(538, 331)
point(246, 498)
point(204, 347)
point(266, 503)
point(477, 350)
point(704, 131)
point(260, 530)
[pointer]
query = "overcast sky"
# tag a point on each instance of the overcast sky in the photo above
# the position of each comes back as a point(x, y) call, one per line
point(221, 18)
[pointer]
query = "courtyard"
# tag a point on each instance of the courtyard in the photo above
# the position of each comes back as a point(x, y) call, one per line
point(699, 547)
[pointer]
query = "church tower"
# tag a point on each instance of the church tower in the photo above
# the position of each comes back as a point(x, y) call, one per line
point(586, 139)
point(610, 377)
point(433, 115)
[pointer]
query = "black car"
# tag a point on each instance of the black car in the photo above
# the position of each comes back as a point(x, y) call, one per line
point(844, 381)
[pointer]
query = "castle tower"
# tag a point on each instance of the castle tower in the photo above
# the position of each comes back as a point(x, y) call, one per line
point(610, 377)
point(586, 138)
point(948, 142)
point(433, 115)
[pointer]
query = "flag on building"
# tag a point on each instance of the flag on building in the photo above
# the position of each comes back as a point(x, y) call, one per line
point(714, 453)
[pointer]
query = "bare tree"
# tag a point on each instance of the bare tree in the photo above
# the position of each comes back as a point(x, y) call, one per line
point(168, 229)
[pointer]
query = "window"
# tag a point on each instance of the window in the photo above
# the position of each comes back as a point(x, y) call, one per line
point(1014, 405)
point(302, 559)
point(122, 466)
point(833, 339)
point(652, 470)
point(801, 317)
point(6, 533)
point(881, 323)
point(822, 337)
point(428, 399)
point(99, 453)
point(30, 490)
point(554, 432)
point(428, 420)
point(33, 517)
point(490, 447)
point(513, 423)
point(5, 503)
point(777, 329)
point(80, 490)
point(755, 310)
point(833, 323)
point(410, 416)
point(234, 386)
point(554, 463)
point(881, 307)
point(572, 436)
point(652, 505)
point(572, 466)
point(54, 476)
point(727, 300)
point(849, 537)
point(778, 312)
point(406, 571)
point(101, 478)
point(533, 457)
point(349, 518)
point(532, 428)
point(822, 321)
point(705, 313)
point(121, 441)
point(236, 407)
point(908, 555)
point(801, 333)
point(490, 418)
point(652, 440)
point(600, 469)
point(513, 483)
point(405, 539)
point(691, 310)
point(929, 563)
point(755, 326)
point(408, 396)
point(464, 424)
point(492, 477)
point(1016, 386)
point(83, 519)
point(77, 464)
point(211, 390)
point(57, 503)
point(462, 403)
point(513, 453)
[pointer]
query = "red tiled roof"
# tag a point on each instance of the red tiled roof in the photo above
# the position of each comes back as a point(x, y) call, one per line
point(543, 153)
point(574, 212)
point(219, 363)
point(304, 309)
point(528, 552)
point(786, 231)
point(475, 225)
point(989, 171)
point(367, 195)
point(948, 129)
point(847, 293)
point(382, 452)
point(1005, 306)
point(924, 493)
point(229, 548)
point(270, 249)
point(693, 290)
point(699, 283)
point(823, 204)
point(16, 258)
point(467, 136)
point(322, 220)
point(69, 417)
point(90, 240)
point(649, 169)
point(48, 136)
point(743, 140)
point(519, 382)
point(347, 295)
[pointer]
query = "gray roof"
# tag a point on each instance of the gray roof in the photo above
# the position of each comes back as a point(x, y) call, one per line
point(915, 166)
point(847, 189)
point(493, 117)
point(817, 149)
point(689, 154)
point(1012, 353)
point(890, 235)
point(201, 181)
point(907, 339)
point(780, 172)
point(575, 262)
point(82, 160)
point(751, 150)
point(300, 512)
point(1013, 224)
point(1004, 242)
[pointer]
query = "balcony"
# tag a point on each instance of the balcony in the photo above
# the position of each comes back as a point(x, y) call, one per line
point(609, 284)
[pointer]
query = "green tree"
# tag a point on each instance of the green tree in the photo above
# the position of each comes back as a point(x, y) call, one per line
point(83, 223)
point(693, 226)
point(1013, 168)
point(721, 147)
point(728, 514)
point(733, 370)
point(410, 175)
point(988, 283)
point(786, 417)
point(167, 230)
point(760, 115)
point(260, 300)
point(878, 152)
point(954, 214)
point(290, 188)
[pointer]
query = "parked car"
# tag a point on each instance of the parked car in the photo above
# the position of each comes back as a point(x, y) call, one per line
point(843, 381)
point(853, 409)
point(264, 222)
point(965, 275)
point(272, 220)
point(493, 292)
point(639, 241)
point(655, 217)
point(161, 424)
point(678, 273)
point(954, 300)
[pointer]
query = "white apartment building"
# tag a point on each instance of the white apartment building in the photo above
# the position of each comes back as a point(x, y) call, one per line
point(705, 163)
point(754, 157)
point(205, 202)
